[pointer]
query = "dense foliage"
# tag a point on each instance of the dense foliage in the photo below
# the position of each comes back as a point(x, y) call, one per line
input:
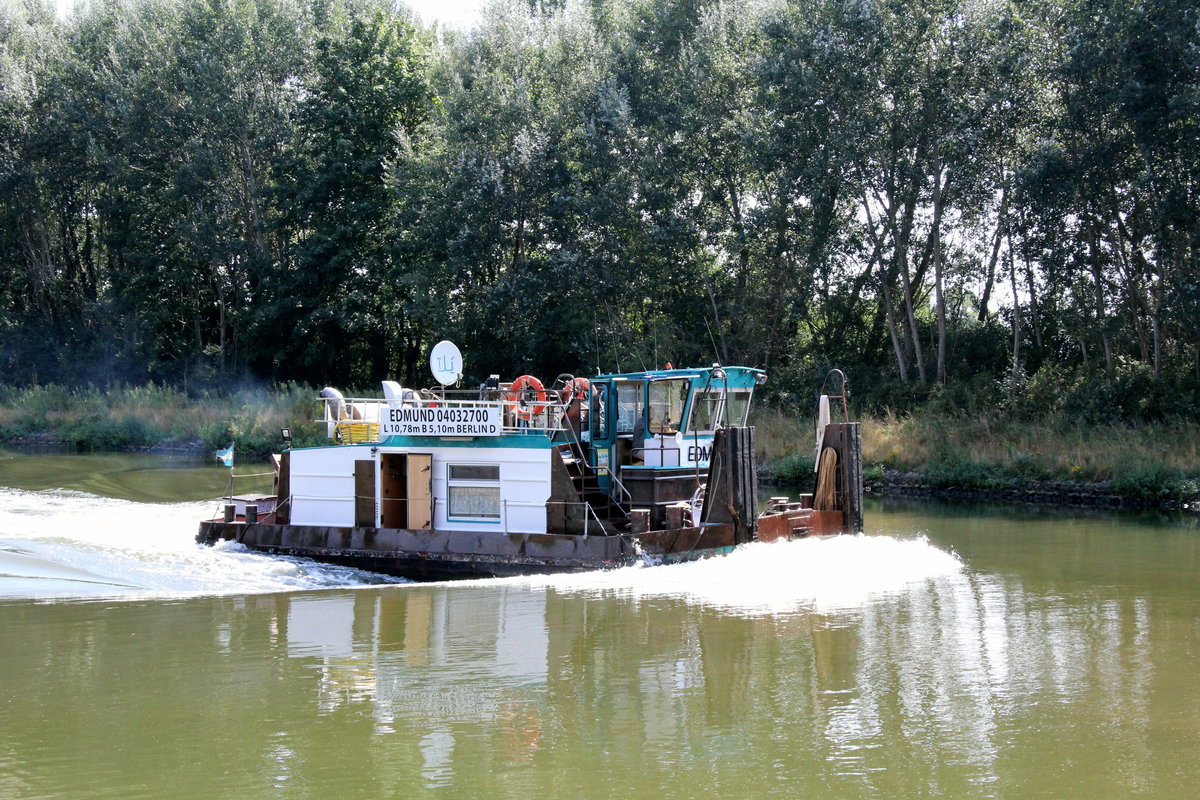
point(977, 201)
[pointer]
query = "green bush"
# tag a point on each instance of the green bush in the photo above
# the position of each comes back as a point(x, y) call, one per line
point(1155, 483)
point(957, 473)
point(216, 436)
point(105, 433)
point(41, 400)
point(793, 470)
point(1025, 466)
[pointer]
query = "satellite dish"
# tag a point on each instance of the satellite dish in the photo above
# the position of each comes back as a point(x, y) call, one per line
point(446, 363)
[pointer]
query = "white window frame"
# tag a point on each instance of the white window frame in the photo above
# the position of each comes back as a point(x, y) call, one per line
point(453, 483)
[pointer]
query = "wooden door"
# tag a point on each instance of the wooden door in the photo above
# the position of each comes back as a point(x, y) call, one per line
point(420, 491)
point(283, 490)
point(364, 494)
point(393, 484)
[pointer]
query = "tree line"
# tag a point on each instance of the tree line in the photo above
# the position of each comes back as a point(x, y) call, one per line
point(994, 197)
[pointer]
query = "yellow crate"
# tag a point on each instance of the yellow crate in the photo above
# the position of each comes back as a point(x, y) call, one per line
point(358, 432)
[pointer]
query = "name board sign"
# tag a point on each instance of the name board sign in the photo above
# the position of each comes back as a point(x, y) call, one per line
point(453, 421)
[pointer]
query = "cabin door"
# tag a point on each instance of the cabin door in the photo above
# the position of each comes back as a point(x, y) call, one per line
point(364, 494)
point(420, 491)
point(406, 487)
point(601, 433)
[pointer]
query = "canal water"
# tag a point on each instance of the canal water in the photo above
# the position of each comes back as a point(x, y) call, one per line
point(951, 651)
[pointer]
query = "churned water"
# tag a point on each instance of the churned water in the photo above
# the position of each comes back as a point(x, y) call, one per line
point(67, 542)
point(64, 544)
point(71, 545)
point(785, 577)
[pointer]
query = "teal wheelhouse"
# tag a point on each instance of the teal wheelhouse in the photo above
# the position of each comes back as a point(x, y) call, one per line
point(664, 419)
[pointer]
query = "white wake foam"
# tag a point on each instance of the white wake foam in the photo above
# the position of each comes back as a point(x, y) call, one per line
point(837, 573)
point(62, 544)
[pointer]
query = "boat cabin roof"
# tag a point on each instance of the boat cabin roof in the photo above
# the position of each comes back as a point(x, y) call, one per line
point(735, 377)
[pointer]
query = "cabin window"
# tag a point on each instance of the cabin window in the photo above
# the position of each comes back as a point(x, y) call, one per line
point(706, 408)
point(737, 407)
point(667, 401)
point(473, 492)
point(599, 415)
point(629, 406)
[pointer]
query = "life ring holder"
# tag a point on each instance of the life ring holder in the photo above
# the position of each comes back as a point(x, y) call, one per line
point(575, 396)
point(514, 397)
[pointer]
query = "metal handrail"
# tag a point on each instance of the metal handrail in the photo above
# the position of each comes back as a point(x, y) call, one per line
point(368, 411)
point(591, 510)
point(625, 492)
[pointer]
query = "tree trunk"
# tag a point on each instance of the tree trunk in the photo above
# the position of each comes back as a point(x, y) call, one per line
point(901, 263)
point(1094, 258)
point(221, 329)
point(885, 282)
point(1156, 321)
point(1034, 309)
point(1016, 346)
point(1001, 224)
point(897, 345)
point(939, 292)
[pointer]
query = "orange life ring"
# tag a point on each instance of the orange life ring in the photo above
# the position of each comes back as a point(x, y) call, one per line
point(514, 396)
point(574, 395)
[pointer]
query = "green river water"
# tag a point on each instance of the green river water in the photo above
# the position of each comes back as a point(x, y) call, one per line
point(952, 651)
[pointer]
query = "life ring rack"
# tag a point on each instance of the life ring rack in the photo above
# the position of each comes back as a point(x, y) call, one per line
point(515, 397)
point(575, 395)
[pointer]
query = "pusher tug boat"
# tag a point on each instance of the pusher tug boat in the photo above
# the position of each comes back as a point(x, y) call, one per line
point(517, 478)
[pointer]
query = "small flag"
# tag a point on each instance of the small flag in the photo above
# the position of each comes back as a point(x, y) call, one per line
point(225, 456)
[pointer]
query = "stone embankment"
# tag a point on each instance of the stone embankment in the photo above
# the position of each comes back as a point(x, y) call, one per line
point(50, 442)
point(1099, 494)
point(1065, 493)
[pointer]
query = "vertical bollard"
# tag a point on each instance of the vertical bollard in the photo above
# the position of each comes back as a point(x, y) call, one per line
point(251, 513)
point(230, 510)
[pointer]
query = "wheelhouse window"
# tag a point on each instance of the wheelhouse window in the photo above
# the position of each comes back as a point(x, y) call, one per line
point(599, 416)
point(667, 401)
point(737, 407)
point(716, 407)
point(629, 406)
point(473, 492)
point(706, 411)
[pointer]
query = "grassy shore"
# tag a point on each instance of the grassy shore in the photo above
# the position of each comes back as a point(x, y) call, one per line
point(991, 454)
point(155, 417)
point(998, 455)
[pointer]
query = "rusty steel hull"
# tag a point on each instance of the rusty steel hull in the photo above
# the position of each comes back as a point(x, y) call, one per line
point(445, 555)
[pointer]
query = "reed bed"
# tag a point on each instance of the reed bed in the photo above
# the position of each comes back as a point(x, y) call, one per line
point(133, 417)
point(988, 451)
point(1051, 449)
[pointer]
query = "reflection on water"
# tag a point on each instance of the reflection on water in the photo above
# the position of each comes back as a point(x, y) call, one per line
point(962, 685)
point(946, 654)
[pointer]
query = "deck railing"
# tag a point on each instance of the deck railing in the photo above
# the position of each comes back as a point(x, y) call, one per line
point(592, 522)
point(357, 420)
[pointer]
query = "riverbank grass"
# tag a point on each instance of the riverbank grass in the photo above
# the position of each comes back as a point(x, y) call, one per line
point(1152, 462)
point(157, 417)
point(1148, 462)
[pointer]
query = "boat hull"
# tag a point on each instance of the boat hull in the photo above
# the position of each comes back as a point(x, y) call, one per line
point(446, 555)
